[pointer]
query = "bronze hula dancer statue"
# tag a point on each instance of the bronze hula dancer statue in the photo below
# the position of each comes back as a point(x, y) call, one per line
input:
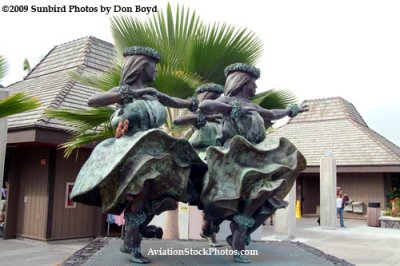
point(205, 131)
point(249, 170)
point(143, 170)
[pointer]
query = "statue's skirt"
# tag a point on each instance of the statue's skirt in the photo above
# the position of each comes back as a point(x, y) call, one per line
point(126, 166)
point(241, 173)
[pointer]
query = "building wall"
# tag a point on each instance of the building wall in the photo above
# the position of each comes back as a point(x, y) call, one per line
point(32, 193)
point(81, 221)
point(363, 187)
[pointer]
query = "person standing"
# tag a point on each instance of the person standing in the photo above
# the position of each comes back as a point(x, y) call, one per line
point(340, 208)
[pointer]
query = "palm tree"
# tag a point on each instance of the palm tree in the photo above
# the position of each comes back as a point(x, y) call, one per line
point(16, 103)
point(193, 52)
point(3, 67)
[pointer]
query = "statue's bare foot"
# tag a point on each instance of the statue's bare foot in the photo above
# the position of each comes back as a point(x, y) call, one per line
point(124, 249)
point(216, 245)
point(241, 259)
point(138, 258)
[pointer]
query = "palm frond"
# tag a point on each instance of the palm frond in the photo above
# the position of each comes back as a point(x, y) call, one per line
point(166, 31)
point(274, 99)
point(218, 46)
point(170, 128)
point(86, 138)
point(102, 81)
point(176, 83)
point(26, 66)
point(17, 103)
point(82, 120)
point(3, 67)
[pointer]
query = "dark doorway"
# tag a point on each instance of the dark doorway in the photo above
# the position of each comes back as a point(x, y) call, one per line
point(309, 194)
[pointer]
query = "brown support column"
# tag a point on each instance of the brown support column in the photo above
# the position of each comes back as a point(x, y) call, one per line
point(50, 190)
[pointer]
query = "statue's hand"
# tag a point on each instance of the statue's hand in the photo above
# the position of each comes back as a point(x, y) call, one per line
point(304, 108)
point(294, 109)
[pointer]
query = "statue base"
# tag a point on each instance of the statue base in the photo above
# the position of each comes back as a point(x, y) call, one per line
point(105, 251)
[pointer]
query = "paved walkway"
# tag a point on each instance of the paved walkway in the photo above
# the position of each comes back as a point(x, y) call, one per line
point(37, 253)
point(357, 244)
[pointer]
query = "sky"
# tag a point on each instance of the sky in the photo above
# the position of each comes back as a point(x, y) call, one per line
point(316, 49)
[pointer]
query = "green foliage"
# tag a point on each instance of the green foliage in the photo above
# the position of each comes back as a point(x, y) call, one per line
point(102, 81)
point(274, 99)
point(82, 120)
point(3, 67)
point(388, 212)
point(90, 126)
point(85, 138)
point(17, 103)
point(26, 66)
point(395, 193)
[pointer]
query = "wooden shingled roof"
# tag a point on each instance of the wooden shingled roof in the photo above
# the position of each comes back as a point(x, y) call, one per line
point(335, 124)
point(51, 83)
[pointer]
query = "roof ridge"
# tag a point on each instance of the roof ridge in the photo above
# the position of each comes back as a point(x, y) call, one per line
point(87, 50)
point(324, 98)
point(346, 111)
point(75, 40)
point(368, 133)
point(38, 64)
point(50, 52)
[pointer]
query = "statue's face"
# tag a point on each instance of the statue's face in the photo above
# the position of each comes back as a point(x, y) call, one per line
point(251, 87)
point(150, 71)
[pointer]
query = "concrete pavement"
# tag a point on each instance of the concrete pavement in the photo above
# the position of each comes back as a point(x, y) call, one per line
point(357, 243)
point(37, 253)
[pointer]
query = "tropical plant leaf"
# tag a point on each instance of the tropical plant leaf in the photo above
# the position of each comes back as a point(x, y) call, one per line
point(82, 120)
point(219, 45)
point(17, 103)
point(3, 67)
point(102, 81)
point(176, 83)
point(87, 138)
point(274, 99)
point(26, 66)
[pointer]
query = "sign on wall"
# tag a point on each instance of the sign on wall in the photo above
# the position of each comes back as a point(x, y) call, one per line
point(68, 202)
